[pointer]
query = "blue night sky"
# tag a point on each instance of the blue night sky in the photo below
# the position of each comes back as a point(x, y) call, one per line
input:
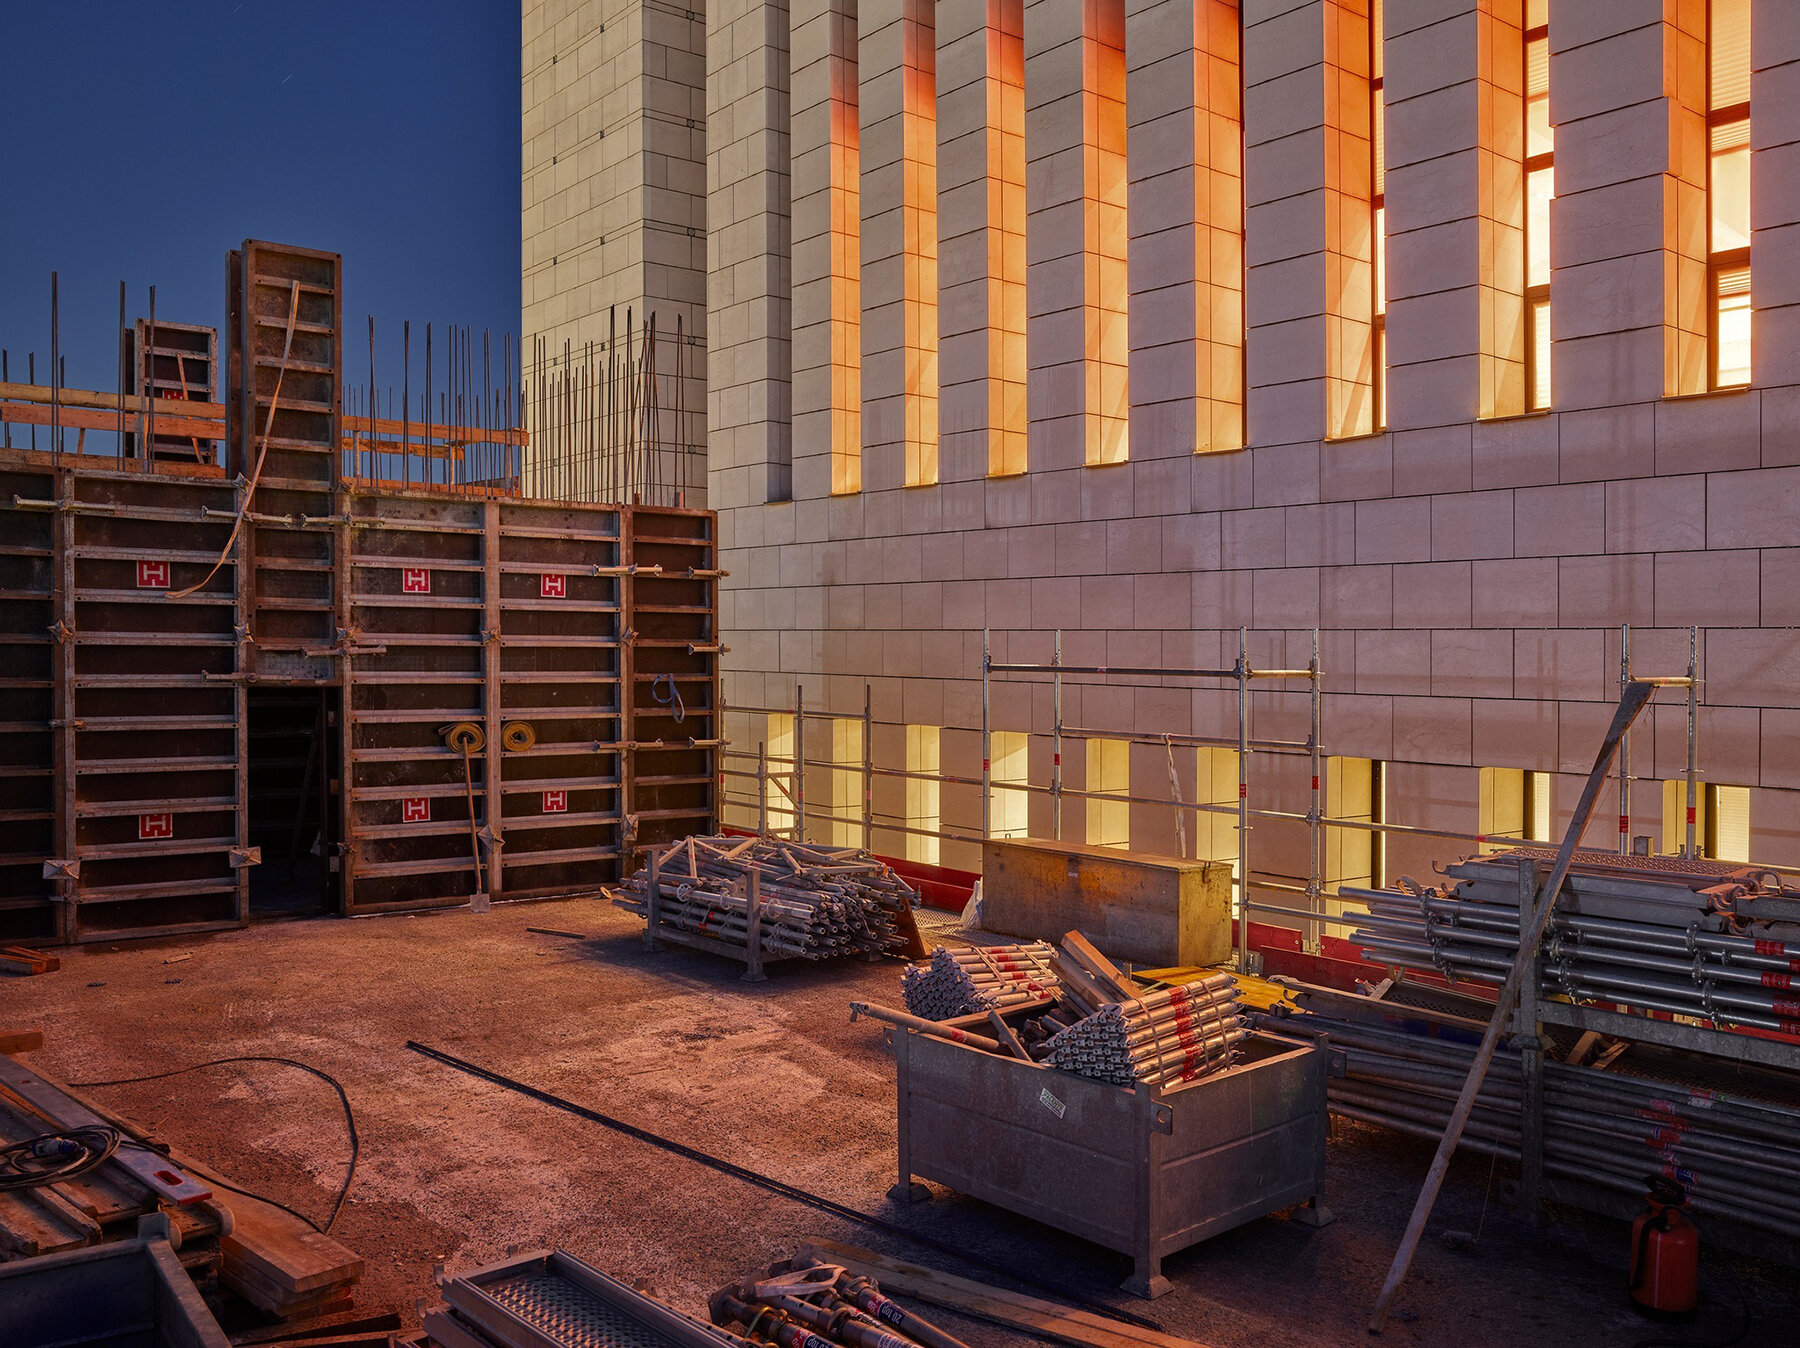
point(141, 141)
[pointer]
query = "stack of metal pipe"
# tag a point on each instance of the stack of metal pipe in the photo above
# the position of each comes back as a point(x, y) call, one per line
point(1730, 1134)
point(971, 979)
point(814, 902)
point(1695, 938)
point(1176, 1034)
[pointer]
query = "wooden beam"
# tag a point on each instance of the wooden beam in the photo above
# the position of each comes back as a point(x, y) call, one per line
point(20, 1041)
point(177, 424)
point(94, 398)
point(1062, 1324)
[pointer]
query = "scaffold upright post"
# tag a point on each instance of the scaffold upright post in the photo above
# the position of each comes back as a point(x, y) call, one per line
point(799, 763)
point(987, 747)
point(762, 789)
point(1056, 738)
point(1693, 736)
point(868, 770)
point(1243, 819)
point(1624, 744)
point(1315, 900)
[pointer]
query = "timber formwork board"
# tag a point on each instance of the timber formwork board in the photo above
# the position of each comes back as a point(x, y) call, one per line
point(672, 670)
point(140, 722)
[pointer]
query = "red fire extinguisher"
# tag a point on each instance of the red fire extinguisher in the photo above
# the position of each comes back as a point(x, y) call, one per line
point(1665, 1255)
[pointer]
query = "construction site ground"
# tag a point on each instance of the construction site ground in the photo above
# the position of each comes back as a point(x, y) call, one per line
point(772, 1076)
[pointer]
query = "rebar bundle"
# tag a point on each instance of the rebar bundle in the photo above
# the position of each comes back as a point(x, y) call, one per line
point(803, 1302)
point(1676, 938)
point(1735, 1144)
point(972, 979)
point(812, 902)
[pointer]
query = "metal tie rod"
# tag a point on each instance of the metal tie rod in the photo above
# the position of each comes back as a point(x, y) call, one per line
point(1637, 695)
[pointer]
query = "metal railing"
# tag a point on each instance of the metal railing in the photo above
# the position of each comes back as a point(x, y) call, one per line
point(783, 777)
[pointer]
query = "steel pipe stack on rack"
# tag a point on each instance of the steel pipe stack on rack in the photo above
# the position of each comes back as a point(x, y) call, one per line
point(1680, 967)
point(1696, 938)
point(766, 898)
point(1731, 1135)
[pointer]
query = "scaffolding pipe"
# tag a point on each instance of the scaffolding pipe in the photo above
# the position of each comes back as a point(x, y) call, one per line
point(1243, 811)
point(1056, 739)
point(987, 747)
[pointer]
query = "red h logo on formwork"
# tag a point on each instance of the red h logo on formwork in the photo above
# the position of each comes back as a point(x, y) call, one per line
point(152, 575)
point(556, 802)
point(415, 580)
point(152, 826)
point(415, 810)
point(553, 585)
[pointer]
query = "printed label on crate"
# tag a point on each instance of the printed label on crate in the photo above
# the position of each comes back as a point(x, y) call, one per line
point(553, 585)
point(156, 826)
point(415, 580)
point(415, 809)
point(153, 575)
point(556, 802)
point(1051, 1103)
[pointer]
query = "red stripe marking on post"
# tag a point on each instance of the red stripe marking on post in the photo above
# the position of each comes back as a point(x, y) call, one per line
point(1243, 791)
point(1624, 824)
point(1690, 814)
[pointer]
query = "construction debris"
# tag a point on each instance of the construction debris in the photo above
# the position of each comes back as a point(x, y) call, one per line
point(18, 959)
point(964, 980)
point(549, 1299)
point(1092, 1018)
point(806, 1301)
point(807, 901)
point(266, 1254)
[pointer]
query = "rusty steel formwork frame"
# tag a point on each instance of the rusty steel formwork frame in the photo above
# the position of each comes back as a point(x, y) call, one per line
point(143, 605)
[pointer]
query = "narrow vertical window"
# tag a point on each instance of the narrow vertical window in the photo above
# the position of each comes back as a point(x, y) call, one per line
point(1009, 803)
point(1107, 283)
point(845, 167)
point(1006, 236)
point(844, 802)
point(1728, 190)
point(1355, 790)
point(922, 815)
point(780, 770)
point(1354, 288)
point(1108, 774)
point(1540, 190)
point(920, 246)
point(1216, 783)
point(1721, 820)
point(1514, 807)
point(1378, 201)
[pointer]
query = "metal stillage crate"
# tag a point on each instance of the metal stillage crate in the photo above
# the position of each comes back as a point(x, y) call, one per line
point(1146, 1171)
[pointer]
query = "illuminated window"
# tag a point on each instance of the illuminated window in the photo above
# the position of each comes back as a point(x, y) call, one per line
point(1378, 199)
point(778, 756)
point(1008, 803)
point(844, 165)
point(920, 255)
point(1107, 429)
point(1721, 820)
point(1109, 771)
point(1728, 190)
point(1540, 189)
point(1215, 832)
point(1514, 804)
point(1006, 236)
point(922, 745)
point(1355, 289)
point(1355, 789)
point(844, 797)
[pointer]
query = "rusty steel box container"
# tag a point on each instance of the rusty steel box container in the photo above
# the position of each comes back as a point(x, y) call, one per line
point(1151, 910)
point(1145, 1171)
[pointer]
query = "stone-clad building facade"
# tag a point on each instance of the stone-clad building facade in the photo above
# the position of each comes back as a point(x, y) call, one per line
point(1464, 331)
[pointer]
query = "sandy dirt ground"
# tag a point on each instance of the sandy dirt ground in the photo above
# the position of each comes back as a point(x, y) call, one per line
point(772, 1076)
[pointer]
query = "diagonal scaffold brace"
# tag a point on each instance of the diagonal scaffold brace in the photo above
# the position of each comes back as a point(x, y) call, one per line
point(1637, 695)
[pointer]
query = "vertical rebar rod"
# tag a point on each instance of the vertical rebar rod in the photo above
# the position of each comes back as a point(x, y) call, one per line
point(55, 365)
point(6, 378)
point(148, 451)
point(124, 350)
point(762, 789)
point(1243, 819)
point(1693, 736)
point(1056, 737)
